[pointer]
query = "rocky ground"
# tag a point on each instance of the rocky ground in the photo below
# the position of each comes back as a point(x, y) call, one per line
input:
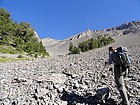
point(70, 79)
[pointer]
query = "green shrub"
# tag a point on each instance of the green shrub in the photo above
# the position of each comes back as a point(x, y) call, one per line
point(71, 46)
point(20, 36)
point(43, 55)
point(102, 40)
point(36, 55)
point(3, 57)
point(76, 50)
point(20, 56)
point(8, 49)
point(73, 49)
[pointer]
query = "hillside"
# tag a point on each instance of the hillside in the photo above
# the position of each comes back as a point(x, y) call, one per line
point(62, 47)
point(18, 38)
point(70, 79)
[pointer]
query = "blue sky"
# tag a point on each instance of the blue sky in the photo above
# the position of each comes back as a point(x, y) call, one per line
point(60, 19)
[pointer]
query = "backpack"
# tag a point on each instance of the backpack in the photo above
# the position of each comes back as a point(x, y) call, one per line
point(123, 58)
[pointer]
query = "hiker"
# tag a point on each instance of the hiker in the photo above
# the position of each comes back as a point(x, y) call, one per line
point(118, 74)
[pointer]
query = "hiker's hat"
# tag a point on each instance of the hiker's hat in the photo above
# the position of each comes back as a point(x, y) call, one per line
point(111, 48)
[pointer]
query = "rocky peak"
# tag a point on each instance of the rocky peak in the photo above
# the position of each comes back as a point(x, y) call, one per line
point(49, 41)
point(36, 35)
point(82, 34)
point(128, 25)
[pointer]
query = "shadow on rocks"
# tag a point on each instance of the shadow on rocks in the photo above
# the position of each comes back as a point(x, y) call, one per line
point(73, 99)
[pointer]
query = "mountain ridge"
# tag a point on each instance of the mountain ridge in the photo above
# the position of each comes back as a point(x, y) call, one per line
point(61, 47)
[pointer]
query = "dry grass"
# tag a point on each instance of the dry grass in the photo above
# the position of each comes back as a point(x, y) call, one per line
point(4, 59)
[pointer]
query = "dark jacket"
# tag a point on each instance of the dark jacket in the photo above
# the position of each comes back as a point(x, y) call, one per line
point(113, 58)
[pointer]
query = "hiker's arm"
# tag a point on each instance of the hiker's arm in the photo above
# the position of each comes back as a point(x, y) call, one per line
point(109, 61)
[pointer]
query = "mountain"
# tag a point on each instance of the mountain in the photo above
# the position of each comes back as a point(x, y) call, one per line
point(75, 79)
point(70, 79)
point(57, 47)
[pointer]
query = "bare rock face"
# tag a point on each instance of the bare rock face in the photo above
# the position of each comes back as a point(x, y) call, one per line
point(36, 35)
point(135, 24)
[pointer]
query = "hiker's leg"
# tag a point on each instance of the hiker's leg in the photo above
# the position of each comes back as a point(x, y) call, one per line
point(128, 70)
point(126, 73)
point(120, 84)
point(121, 87)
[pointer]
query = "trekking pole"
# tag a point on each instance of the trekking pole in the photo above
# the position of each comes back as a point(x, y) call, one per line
point(103, 68)
point(102, 91)
point(100, 75)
